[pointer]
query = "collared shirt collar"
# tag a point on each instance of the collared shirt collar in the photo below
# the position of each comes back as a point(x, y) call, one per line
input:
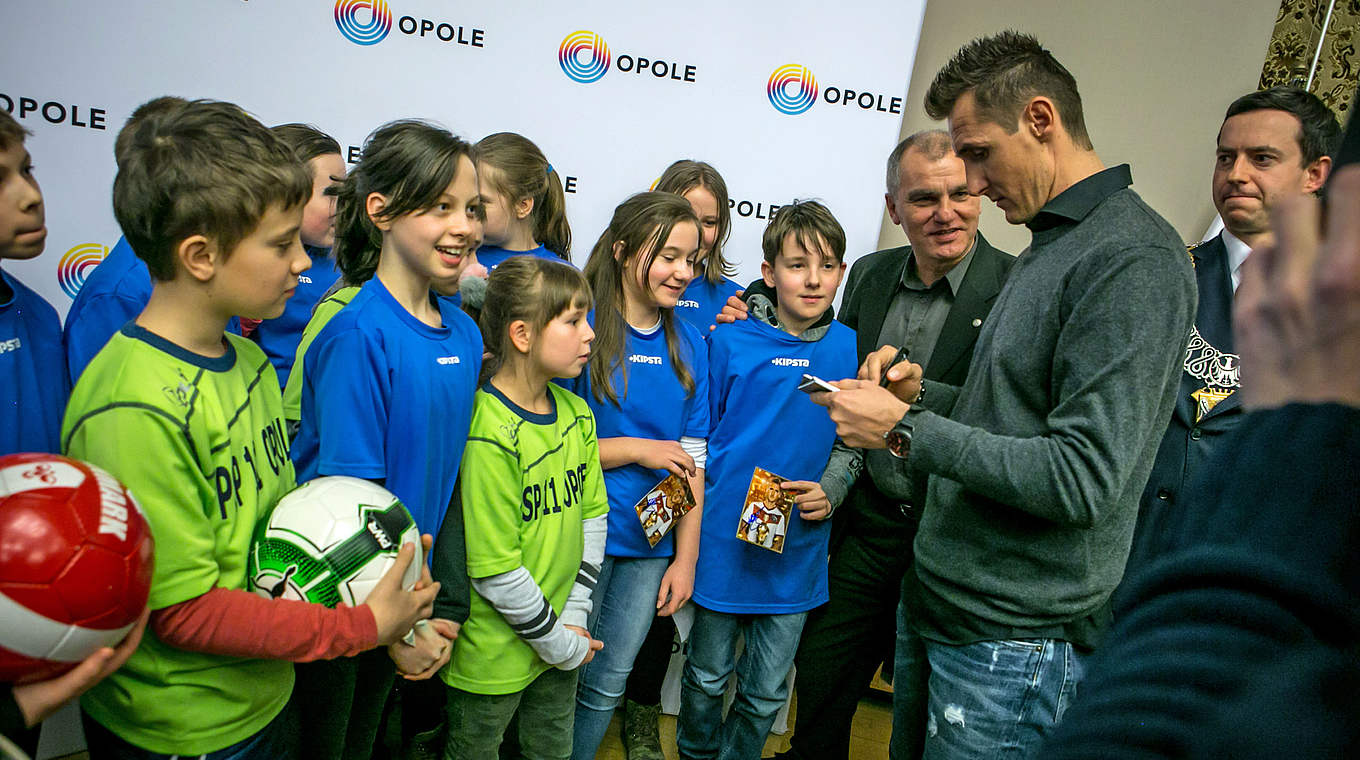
point(910, 279)
point(1237, 253)
point(1073, 204)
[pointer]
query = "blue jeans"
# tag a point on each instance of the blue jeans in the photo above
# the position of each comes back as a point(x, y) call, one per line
point(276, 741)
point(762, 682)
point(997, 699)
point(910, 682)
point(622, 613)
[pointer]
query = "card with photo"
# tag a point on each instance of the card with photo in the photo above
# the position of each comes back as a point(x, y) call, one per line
point(662, 506)
point(766, 514)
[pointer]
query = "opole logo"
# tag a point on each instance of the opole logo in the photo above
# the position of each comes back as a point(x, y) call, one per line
point(363, 22)
point(583, 56)
point(76, 263)
point(792, 89)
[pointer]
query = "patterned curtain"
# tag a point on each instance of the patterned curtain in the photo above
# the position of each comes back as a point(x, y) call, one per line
point(1298, 27)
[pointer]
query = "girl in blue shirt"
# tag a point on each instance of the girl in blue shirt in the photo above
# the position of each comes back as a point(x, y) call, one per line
point(526, 209)
point(388, 386)
point(704, 188)
point(279, 337)
point(647, 383)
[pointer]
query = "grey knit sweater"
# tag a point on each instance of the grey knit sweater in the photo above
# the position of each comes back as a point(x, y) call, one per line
point(1037, 462)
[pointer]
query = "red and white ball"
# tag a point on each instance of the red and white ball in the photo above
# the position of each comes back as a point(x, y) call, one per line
point(75, 564)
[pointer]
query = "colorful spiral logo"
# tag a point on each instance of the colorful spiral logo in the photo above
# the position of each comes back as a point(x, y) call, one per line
point(363, 31)
point(792, 89)
point(76, 263)
point(583, 56)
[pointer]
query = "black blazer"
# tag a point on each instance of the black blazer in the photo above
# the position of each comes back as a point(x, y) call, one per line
point(869, 290)
point(1188, 443)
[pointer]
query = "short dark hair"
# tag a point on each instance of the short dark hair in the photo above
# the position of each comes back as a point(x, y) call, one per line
point(1004, 71)
point(807, 220)
point(162, 105)
point(205, 167)
point(1319, 131)
point(307, 141)
point(934, 143)
point(11, 132)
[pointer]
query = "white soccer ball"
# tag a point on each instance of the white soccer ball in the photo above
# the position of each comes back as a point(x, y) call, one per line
point(330, 541)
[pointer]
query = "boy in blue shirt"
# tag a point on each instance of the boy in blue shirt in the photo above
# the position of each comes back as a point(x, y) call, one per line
point(761, 419)
point(33, 385)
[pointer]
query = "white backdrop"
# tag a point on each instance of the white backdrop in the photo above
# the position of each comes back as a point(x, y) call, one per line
point(72, 72)
point(796, 99)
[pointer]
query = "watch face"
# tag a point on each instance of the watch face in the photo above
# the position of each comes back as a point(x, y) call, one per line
point(899, 443)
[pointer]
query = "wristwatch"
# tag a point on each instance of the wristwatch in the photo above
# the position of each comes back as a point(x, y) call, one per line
point(898, 437)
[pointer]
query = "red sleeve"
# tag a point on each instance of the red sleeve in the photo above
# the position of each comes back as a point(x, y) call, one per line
point(241, 624)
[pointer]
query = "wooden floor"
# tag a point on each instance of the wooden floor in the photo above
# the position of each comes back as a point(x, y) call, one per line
point(868, 735)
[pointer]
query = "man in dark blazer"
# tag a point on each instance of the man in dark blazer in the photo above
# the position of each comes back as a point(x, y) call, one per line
point(932, 296)
point(1273, 144)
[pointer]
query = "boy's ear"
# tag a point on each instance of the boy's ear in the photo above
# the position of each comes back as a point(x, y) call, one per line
point(524, 207)
point(199, 257)
point(521, 336)
point(374, 205)
point(767, 272)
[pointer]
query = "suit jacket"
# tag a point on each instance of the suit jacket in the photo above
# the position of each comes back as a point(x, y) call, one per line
point(869, 290)
point(1192, 437)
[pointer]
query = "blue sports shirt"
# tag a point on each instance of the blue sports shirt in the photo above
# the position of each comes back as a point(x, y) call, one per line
point(113, 294)
point(703, 300)
point(761, 419)
point(388, 396)
point(33, 382)
point(652, 405)
point(279, 337)
point(491, 256)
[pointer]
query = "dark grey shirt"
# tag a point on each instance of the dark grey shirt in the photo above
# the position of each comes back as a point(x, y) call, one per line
point(917, 312)
point(1036, 472)
point(915, 317)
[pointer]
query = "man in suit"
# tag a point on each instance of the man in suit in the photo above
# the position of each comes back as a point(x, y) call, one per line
point(1273, 144)
point(931, 296)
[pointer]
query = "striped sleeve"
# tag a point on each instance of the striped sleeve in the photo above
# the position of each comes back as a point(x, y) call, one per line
point(578, 605)
point(520, 601)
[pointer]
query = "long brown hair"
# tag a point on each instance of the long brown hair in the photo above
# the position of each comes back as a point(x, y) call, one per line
point(642, 224)
point(685, 175)
point(522, 171)
point(411, 162)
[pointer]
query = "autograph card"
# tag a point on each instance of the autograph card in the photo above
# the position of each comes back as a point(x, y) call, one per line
point(765, 517)
point(667, 502)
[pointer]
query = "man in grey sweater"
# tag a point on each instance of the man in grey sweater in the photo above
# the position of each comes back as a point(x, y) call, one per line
point(1036, 463)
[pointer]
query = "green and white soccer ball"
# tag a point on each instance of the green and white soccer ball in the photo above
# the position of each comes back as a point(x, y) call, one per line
point(330, 540)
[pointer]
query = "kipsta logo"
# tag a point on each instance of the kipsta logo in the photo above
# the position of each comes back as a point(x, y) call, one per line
point(76, 263)
point(363, 22)
point(583, 56)
point(792, 89)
